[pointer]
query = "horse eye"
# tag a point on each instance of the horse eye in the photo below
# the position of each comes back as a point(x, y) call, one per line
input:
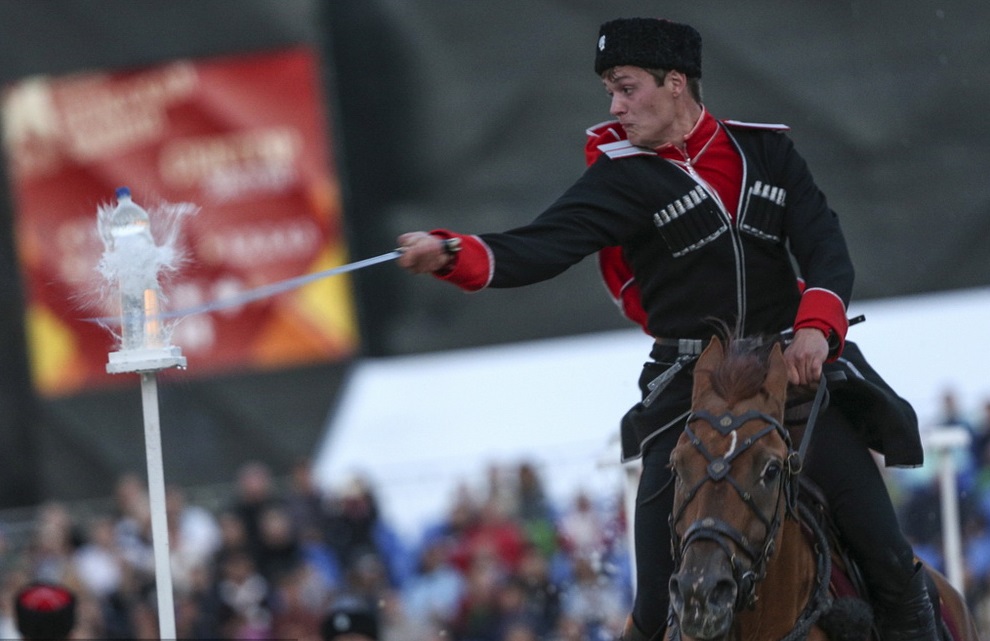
point(772, 472)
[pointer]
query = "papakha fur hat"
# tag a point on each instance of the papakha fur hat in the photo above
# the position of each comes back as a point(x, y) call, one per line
point(45, 611)
point(650, 43)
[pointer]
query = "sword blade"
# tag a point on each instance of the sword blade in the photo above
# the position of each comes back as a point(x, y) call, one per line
point(266, 291)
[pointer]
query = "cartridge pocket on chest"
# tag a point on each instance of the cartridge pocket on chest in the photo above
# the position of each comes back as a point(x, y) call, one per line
point(690, 222)
point(763, 215)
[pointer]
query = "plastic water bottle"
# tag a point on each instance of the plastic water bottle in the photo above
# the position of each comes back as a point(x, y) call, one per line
point(128, 219)
point(130, 232)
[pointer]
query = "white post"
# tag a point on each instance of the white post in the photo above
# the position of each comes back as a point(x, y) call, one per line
point(147, 362)
point(945, 440)
point(156, 496)
point(126, 233)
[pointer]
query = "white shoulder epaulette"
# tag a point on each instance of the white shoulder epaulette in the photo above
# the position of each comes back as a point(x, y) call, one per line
point(624, 148)
point(756, 125)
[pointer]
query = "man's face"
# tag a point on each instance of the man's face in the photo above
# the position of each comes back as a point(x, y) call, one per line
point(645, 110)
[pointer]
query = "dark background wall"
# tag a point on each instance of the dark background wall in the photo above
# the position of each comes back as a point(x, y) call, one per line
point(471, 115)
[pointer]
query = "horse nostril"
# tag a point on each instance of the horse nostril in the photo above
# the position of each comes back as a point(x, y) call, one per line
point(723, 595)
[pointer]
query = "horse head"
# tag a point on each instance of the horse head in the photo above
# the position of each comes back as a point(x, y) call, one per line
point(731, 472)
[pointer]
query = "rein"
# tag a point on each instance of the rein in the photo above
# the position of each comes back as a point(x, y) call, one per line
point(816, 407)
point(819, 601)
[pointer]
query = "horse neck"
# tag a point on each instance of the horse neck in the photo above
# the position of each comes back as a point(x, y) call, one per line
point(783, 594)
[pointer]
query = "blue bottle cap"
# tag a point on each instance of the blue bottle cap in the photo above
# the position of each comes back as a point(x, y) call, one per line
point(123, 192)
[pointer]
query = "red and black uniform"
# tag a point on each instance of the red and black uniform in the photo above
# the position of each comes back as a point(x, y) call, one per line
point(706, 233)
point(714, 230)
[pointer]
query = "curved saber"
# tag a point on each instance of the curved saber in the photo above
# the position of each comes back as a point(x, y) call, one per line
point(266, 291)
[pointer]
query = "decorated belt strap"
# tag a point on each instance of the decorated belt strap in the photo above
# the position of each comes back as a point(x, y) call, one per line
point(660, 383)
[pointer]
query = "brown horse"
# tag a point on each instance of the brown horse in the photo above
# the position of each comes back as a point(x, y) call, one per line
point(747, 568)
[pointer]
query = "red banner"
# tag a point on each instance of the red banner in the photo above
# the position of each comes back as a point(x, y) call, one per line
point(244, 140)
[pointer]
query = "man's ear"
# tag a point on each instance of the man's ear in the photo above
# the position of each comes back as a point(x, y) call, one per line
point(677, 82)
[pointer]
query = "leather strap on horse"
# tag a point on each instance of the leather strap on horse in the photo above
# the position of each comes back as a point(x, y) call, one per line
point(821, 394)
point(796, 458)
point(819, 602)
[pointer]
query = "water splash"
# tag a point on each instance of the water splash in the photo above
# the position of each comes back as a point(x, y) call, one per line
point(139, 258)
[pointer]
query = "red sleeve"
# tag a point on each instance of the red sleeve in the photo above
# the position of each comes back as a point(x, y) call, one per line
point(621, 285)
point(825, 311)
point(473, 265)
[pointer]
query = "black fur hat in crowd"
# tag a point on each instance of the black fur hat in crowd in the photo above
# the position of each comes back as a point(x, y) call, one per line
point(650, 43)
point(45, 611)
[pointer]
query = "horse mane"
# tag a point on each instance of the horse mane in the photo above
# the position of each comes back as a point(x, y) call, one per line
point(741, 373)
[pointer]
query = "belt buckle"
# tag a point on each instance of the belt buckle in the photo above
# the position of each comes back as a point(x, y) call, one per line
point(688, 346)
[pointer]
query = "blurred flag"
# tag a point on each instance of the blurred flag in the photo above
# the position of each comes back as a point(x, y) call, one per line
point(244, 139)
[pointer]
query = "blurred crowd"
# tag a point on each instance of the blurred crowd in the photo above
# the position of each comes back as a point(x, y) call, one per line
point(502, 564)
point(918, 498)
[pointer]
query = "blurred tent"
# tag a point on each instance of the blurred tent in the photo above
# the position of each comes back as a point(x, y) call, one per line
point(471, 116)
point(504, 405)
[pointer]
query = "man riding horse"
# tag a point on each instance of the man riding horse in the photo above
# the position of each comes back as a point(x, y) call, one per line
point(709, 218)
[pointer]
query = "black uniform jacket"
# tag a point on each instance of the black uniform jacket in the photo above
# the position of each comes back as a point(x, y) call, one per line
point(694, 263)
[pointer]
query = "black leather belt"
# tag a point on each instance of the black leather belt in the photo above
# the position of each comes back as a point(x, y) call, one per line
point(685, 346)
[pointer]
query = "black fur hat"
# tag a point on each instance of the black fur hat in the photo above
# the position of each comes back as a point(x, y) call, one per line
point(650, 43)
point(45, 611)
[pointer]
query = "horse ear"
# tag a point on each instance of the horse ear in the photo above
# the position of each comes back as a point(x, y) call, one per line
point(776, 382)
point(707, 362)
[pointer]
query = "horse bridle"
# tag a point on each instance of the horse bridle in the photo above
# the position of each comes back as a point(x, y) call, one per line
point(717, 530)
